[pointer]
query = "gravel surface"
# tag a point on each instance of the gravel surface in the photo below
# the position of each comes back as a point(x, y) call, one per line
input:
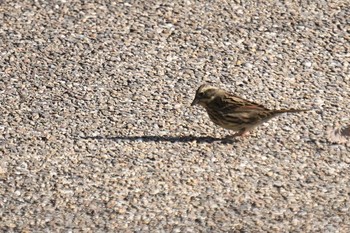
point(97, 133)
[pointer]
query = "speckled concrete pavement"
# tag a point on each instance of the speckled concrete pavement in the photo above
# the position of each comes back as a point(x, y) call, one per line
point(97, 133)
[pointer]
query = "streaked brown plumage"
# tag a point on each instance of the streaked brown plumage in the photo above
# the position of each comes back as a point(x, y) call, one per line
point(232, 112)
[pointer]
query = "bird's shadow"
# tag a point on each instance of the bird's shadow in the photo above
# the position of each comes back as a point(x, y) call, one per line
point(154, 138)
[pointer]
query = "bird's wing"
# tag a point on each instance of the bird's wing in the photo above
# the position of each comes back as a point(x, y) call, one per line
point(232, 103)
point(251, 117)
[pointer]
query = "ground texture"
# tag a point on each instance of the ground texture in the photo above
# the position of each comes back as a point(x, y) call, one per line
point(97, 133)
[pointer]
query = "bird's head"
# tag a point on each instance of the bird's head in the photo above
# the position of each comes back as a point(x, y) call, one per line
point(204, 94)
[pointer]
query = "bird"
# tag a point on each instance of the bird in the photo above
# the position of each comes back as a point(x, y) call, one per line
point(233, 112)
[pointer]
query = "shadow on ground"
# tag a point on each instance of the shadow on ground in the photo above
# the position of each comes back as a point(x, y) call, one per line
point(154, 138)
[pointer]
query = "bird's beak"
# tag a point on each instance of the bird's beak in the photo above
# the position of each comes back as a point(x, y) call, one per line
point(195, 101)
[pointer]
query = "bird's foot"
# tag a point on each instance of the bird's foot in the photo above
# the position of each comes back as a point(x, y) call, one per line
point(241, 133)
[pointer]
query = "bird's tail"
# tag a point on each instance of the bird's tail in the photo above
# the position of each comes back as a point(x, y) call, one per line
point(291, 110)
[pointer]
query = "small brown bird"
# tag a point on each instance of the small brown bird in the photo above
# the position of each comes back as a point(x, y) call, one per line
point(232, 112)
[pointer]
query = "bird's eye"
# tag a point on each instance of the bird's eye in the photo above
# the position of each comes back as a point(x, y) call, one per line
point(200, 94)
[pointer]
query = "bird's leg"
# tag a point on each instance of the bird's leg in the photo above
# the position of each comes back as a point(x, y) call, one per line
point(243, 133)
